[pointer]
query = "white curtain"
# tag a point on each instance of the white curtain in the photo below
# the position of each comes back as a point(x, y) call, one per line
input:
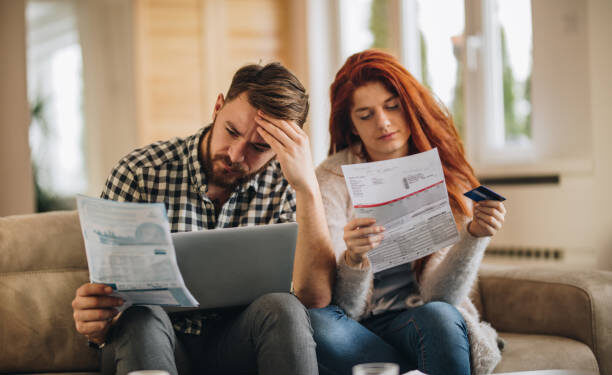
point(106, 35)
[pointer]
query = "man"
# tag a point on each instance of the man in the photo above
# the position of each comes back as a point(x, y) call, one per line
point(251, 166)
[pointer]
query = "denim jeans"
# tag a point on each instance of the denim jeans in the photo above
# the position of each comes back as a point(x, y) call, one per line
point(431, 338)
point(271, 336)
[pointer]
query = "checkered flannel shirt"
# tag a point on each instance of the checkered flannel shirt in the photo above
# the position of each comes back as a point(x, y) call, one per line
point(170, 172)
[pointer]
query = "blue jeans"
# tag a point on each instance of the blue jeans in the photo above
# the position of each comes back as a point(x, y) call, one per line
point(431, 338)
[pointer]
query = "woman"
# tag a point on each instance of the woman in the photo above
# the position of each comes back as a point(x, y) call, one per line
point(418, 314)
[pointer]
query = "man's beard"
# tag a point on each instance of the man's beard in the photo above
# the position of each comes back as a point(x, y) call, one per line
point(217, 175)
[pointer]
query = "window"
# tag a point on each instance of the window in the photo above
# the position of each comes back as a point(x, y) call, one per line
point(363, 24)
point(439, 41)
point(514, 73)
point(499, 63)
point(475, 56)
point(355, 32)
point(497, 53)
point(516, 45)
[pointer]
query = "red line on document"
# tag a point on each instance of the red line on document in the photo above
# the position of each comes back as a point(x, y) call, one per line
point(397, 199)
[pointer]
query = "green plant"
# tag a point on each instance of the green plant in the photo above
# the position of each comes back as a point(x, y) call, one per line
point(45, 200)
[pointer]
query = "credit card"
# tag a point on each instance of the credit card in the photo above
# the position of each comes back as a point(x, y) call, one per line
point(483, 193)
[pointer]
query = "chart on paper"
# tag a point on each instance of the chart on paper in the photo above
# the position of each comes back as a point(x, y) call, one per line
point(128, 247)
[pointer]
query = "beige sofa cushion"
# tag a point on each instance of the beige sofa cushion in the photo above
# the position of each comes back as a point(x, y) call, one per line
point(539, 352)
point(42, 263)
point(572, 304)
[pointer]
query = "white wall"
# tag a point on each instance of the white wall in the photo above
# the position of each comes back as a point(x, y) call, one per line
point(600, 45)
point(575, 215)
point(16, 182)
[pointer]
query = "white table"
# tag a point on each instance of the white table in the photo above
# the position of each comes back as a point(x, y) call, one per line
point(549, 372)
point(536, 372)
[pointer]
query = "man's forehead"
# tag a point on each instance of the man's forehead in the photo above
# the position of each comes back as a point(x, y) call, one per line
point(239, 109)
point(246, 128)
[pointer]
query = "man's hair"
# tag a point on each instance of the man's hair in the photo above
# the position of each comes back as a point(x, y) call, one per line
point(273, 89)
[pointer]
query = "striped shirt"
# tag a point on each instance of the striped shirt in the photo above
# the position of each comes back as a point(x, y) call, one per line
point(171, 172)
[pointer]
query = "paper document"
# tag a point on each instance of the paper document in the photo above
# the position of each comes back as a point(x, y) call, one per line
point(408, 197)
point(129, 247)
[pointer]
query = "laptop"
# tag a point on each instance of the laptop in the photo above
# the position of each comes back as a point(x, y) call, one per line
point(232, 267)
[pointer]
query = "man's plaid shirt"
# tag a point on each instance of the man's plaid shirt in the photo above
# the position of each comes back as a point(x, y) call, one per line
point(170, 172)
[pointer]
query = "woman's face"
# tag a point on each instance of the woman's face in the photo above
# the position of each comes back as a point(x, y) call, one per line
point(378, 119)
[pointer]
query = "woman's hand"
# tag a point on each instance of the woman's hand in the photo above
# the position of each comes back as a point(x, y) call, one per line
point(360, 236)
point(488, 218)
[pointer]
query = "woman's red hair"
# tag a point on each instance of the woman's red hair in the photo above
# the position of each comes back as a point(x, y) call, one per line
point(429, 122)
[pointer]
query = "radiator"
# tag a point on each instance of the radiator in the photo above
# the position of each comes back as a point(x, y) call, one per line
point(525, 253)
point(571, 258)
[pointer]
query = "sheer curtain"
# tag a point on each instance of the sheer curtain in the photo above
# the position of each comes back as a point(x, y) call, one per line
point(55, 96)
point(106, 34)
point(81, 93)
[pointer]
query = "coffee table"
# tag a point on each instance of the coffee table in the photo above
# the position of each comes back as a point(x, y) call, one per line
point(535, 372)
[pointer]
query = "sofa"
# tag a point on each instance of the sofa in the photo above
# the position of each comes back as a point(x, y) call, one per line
point(548, 319)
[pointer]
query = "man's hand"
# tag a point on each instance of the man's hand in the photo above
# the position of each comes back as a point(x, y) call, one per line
point(292, 148)
point(488, 218)
point(315, 264)
point(94, 310)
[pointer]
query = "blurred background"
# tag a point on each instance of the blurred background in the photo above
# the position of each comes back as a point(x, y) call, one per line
point(529, 84)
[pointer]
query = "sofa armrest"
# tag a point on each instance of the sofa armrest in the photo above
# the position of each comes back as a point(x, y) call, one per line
point(573, 304)
point(42, 263)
